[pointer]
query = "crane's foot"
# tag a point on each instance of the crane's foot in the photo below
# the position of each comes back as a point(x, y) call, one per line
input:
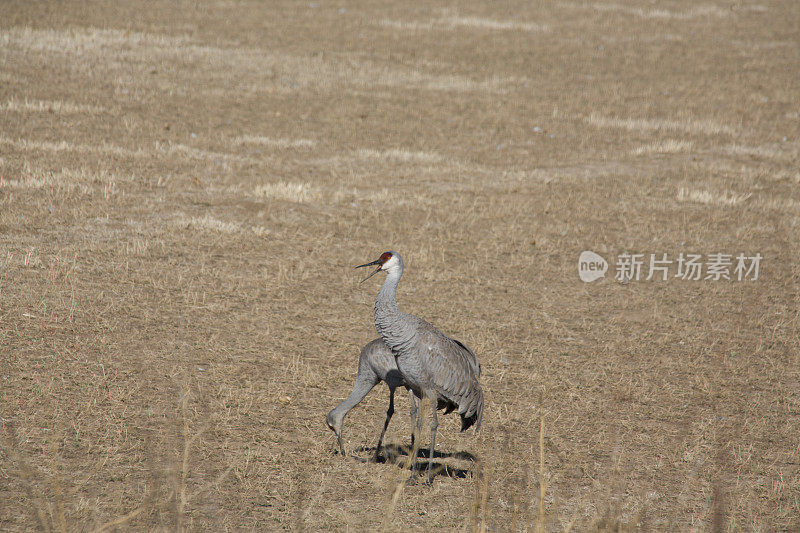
point(377, 458)
point(414, 480)
point(429, 475)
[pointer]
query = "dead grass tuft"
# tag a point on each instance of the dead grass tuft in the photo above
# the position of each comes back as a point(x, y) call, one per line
point(66, 182)
point(668, 146)
point(712, 198)
point(281, 72)
point(258, 140)
point(663, 14)
point(697, 127)
point(290, 192)
point(453, 22)
point(50, 106)
point(778, 154)
point(208, 223)
point(399, 155)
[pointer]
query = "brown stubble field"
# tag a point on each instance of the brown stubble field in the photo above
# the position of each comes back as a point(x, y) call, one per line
point(186, 186)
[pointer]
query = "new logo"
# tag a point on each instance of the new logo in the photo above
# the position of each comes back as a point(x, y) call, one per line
point(591, 266)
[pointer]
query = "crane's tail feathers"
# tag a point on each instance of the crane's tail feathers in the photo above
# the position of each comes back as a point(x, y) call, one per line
point(467, 421)
point(474, 419)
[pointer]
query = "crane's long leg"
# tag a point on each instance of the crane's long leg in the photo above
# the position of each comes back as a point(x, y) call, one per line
point(389, 414)
point(417, 412)
point(413, 415)
point(434, 426)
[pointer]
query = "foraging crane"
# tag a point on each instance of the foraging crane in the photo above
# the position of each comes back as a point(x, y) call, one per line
point(432, 364)
point(375, 364)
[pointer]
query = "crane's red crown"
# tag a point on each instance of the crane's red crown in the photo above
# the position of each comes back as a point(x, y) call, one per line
point(385, 256)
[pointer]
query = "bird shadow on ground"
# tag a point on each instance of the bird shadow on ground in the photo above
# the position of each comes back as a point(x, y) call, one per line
point(398, 455)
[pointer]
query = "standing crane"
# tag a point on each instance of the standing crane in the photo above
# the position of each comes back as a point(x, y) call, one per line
point(433, 365)
point(375, 364)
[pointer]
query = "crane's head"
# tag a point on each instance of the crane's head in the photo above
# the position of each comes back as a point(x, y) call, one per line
point(387, 261)
point(334, 422)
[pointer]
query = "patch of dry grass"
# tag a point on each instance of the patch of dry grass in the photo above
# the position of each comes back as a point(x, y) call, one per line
point(450, 21)
point(668, 146)
point(209, 223)
point(398, 155)
point(291, 192)
point(259, 140)
point(709, 197)
point(159, 149)
point(779, 154)
point(65, 182)
point(49, 106)
point(279, 72)
point(695, 12)
point(691, 126)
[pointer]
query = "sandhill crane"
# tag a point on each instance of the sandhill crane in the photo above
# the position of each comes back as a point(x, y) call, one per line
point(432, 364)
point(375, 364)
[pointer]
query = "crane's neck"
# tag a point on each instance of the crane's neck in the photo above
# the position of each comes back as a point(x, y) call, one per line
point(337, 414)
point(395, 327)
point(387, 296)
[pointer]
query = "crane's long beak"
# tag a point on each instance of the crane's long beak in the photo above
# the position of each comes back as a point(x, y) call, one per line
point(376, 262)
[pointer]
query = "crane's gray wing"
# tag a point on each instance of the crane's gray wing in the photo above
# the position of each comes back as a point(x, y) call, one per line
point(475, 364)
point(452, 368)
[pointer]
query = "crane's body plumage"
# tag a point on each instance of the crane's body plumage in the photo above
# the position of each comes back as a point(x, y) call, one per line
point(376, 363)
point(432, 364)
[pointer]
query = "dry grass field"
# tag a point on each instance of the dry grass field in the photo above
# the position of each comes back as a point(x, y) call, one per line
point(185, 188)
